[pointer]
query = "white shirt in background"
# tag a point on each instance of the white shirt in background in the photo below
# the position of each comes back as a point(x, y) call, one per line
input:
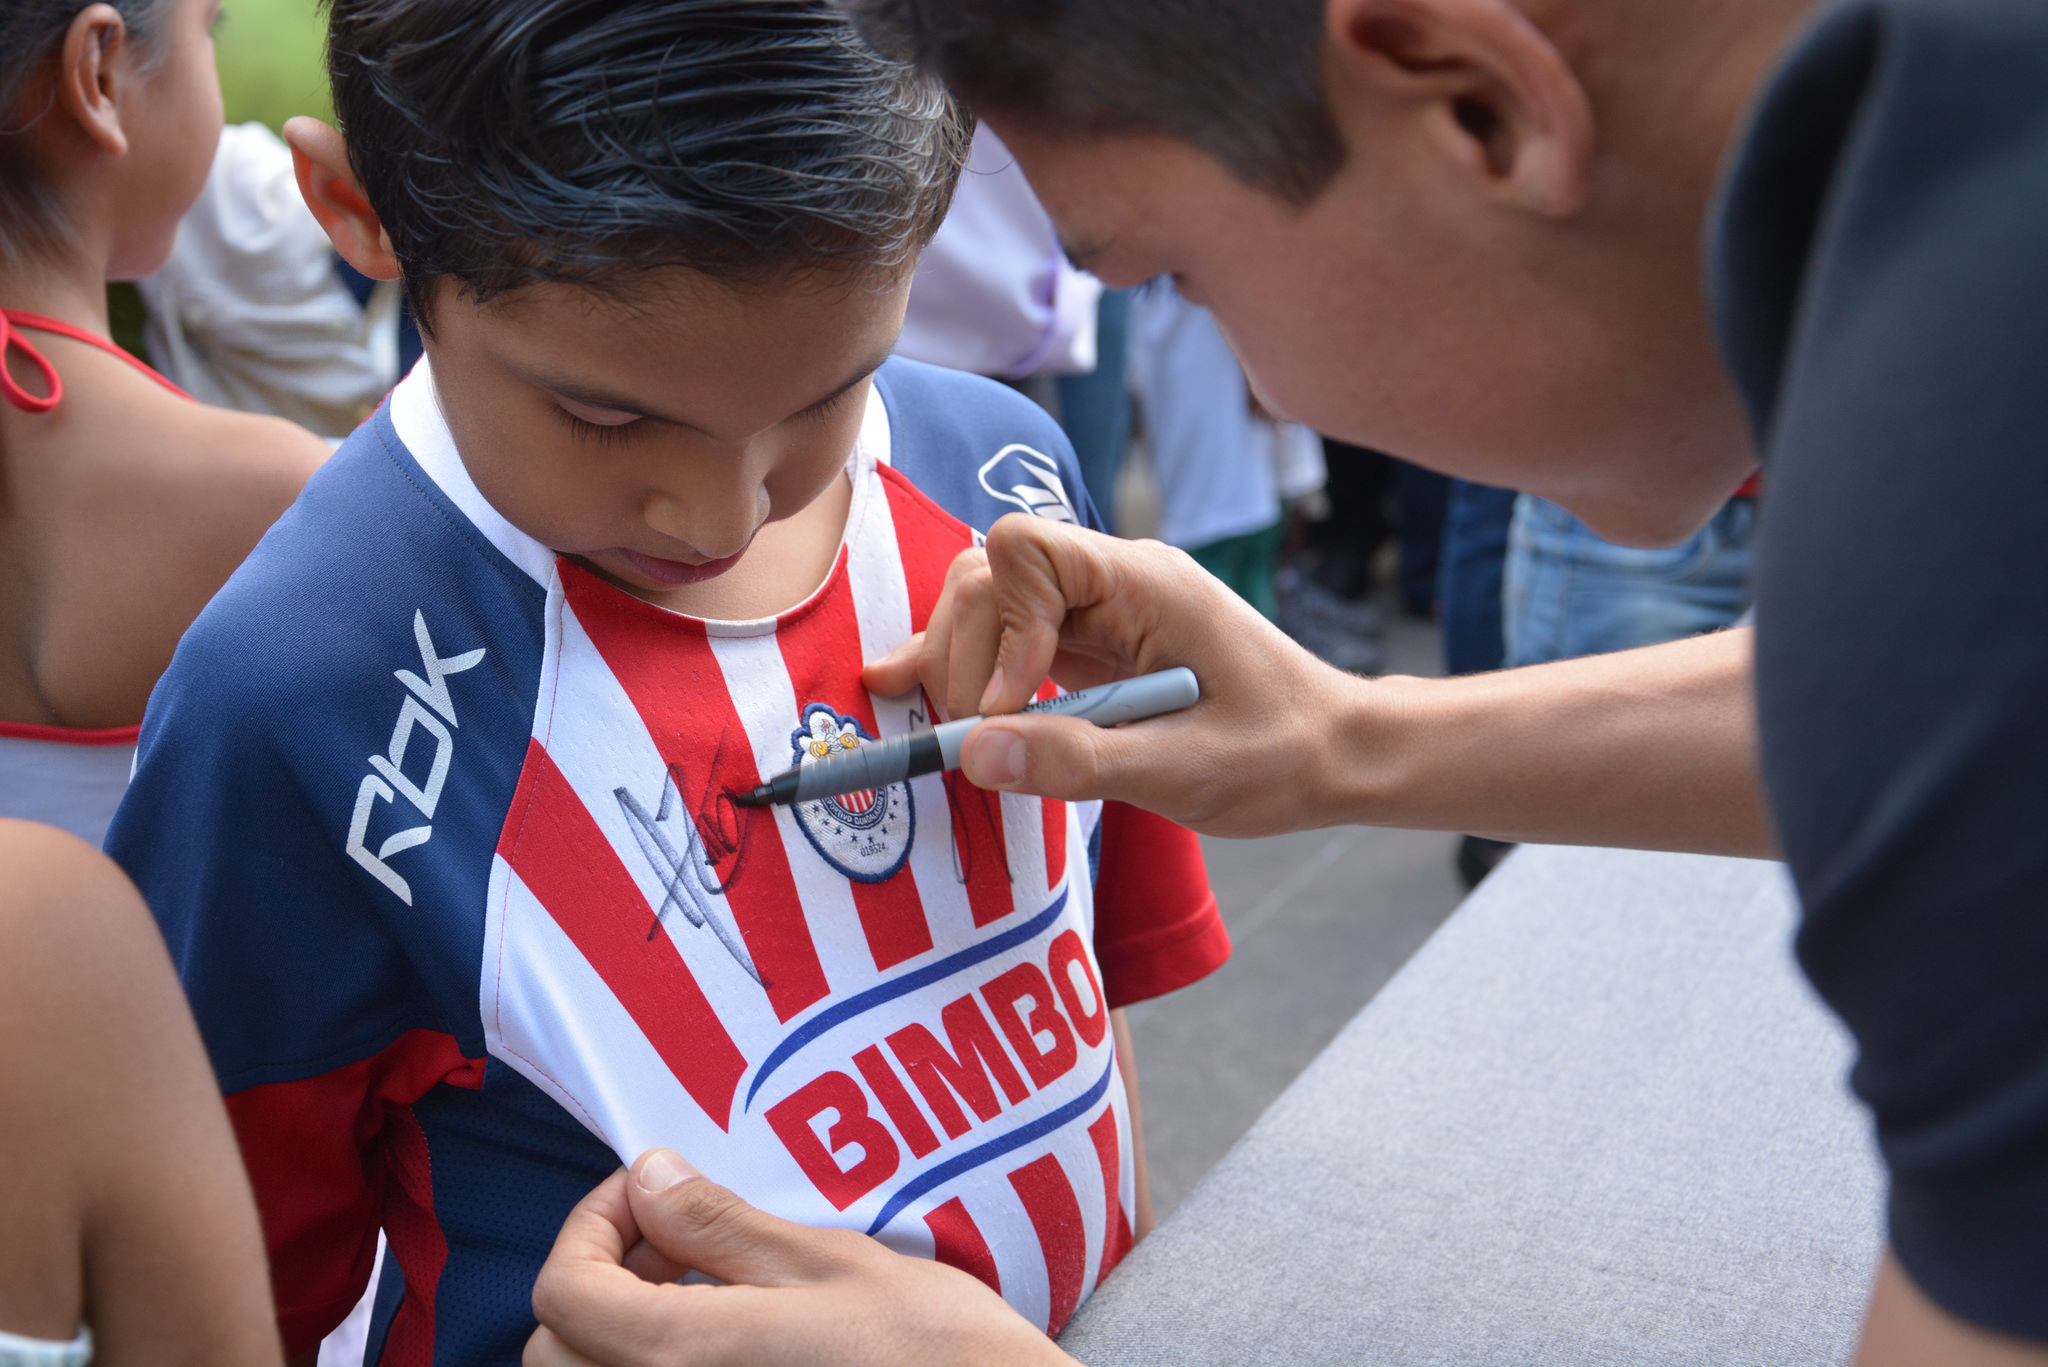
point(994, 293)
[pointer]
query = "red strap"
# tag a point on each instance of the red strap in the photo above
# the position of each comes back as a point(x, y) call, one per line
point(70, 735)
point(16, 395)
point(13, 319)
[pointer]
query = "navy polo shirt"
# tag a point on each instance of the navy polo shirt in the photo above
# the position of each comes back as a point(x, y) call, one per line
point(1880, 265)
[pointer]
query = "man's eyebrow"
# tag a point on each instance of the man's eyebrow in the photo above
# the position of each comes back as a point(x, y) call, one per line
point(1081, 251)
point(577, 391)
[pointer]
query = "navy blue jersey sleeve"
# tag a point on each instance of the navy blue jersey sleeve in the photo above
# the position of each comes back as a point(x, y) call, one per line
point(1882, 284)
point(979, 449)
point(321, 780)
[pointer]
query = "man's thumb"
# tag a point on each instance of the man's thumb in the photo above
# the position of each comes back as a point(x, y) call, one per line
point(1050, 756)
point(695, 1223)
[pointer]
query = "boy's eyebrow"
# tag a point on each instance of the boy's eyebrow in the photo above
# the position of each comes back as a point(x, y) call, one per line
point(564, 387)
point(861, 374)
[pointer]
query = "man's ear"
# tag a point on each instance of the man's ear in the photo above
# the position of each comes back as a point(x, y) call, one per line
point(92, 75)
point(1501, 98)
point(328, 182)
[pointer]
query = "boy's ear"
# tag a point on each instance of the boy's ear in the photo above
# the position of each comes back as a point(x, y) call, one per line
point(92, 75)
point(328, 182)
point(1501, 99)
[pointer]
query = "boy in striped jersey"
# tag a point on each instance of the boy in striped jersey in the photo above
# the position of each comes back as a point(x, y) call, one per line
point(435, 803)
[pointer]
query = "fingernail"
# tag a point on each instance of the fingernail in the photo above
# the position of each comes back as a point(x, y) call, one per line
point(993, 691)
point(662, 1169)
point(999, 760)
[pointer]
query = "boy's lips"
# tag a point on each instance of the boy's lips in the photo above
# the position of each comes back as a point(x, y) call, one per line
point(674, 572)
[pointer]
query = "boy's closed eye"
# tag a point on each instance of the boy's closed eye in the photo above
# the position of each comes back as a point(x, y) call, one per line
point(604, 423)
point(595, 423)
point(596, 415)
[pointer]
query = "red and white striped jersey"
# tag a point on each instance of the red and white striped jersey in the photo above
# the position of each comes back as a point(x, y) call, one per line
point(880, 1011)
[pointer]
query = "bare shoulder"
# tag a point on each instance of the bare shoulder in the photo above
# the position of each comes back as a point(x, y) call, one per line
point(44, 865)
point(65, 908)
point(44, 874)
point(152, 505)
point(81, 958)
point(98, 1047)
point(242, 468)
point(177, 476)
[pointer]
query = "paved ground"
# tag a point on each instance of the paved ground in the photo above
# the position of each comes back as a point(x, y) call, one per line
point(1321, 920)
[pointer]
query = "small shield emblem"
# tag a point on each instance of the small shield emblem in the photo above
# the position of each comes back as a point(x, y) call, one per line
point(864, 835)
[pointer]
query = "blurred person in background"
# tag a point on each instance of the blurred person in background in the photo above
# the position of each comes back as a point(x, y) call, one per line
point(1095, 407)
point(1570, 593)
point(1565, 592)
point(995, 295)
point(255, 311)
point(124, 505)
point(1363, 488)
point(1219, 459)
point(1470, 579)
point(129, 1236)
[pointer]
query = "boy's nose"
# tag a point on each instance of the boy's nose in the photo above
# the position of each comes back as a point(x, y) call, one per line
point(715, 526)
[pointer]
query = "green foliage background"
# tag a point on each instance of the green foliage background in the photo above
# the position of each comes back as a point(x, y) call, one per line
point(270, 55)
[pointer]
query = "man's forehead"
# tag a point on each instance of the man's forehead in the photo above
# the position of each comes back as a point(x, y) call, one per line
point(1094, 188)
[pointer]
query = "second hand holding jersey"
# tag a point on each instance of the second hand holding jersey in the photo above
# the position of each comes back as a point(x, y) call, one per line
point(439, 828)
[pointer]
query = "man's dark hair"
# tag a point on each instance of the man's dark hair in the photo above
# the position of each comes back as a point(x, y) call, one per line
point(506, 143)
point(1239, 79)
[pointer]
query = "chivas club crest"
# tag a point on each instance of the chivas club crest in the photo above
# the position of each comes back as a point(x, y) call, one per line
point(865, 835)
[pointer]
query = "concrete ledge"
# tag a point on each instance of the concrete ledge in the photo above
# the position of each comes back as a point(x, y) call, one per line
point(1599, 1118)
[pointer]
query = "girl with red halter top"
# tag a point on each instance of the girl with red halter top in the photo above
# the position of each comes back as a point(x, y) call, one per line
point(123, 504)
point(123, 507)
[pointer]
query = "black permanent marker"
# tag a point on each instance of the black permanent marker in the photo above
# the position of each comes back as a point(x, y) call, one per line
point(880, 763)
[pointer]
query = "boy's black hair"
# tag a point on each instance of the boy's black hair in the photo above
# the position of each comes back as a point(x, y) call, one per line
point(510, 142)
point(1239, 79)
point(32, 218)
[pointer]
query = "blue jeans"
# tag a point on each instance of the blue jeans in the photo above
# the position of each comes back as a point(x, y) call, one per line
point(1568, 593)
point(1468, 594)
point(1095, 409)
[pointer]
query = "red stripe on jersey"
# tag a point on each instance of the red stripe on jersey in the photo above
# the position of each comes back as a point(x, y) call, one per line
point(416, 1241)
point(1056, 1214)
point(981, 861)
point(821, 652)
point(1054, 815)
point(315, 1163)
point(1116, 1238)
point(928, 539)
point(665, 664)
point(957, 1242)
point(563, 858)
